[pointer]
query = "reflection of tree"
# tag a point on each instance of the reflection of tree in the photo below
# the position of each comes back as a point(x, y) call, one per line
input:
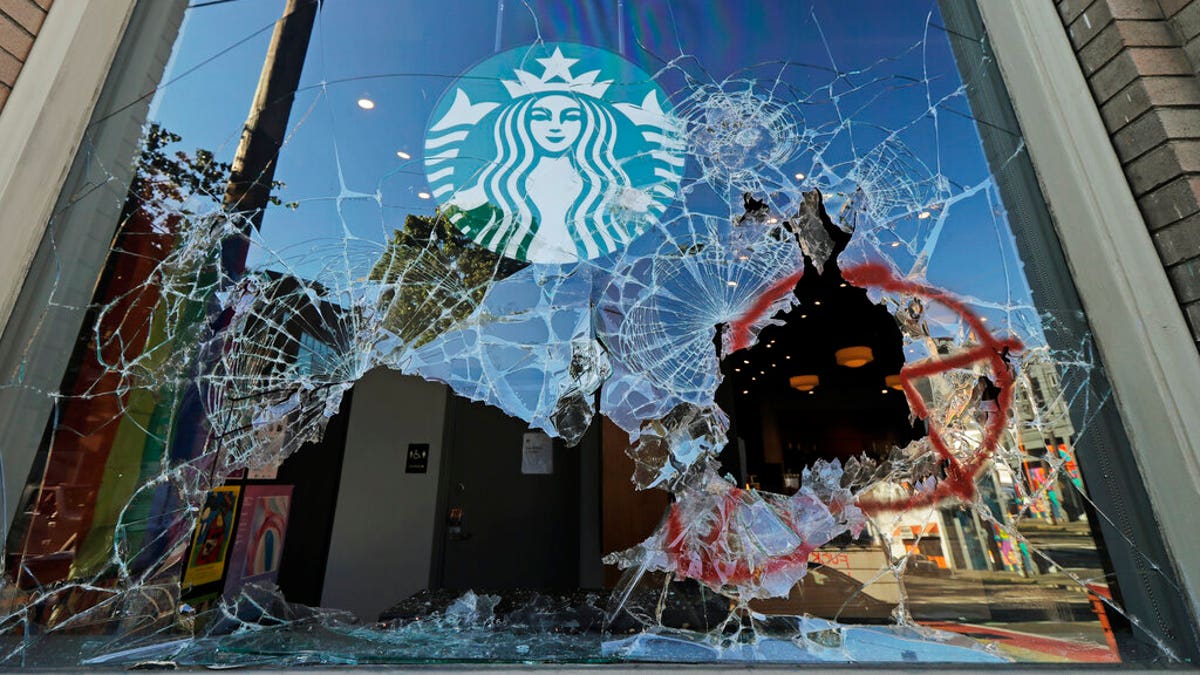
point(436, 276)
point(165, 181)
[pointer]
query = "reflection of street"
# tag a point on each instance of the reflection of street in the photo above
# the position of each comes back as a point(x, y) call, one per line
point(1041, 617)
point(1028, 647)
point(1069, 545)
point(1044, 617)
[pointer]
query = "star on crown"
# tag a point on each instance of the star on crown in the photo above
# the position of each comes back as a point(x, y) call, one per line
point(556, 77)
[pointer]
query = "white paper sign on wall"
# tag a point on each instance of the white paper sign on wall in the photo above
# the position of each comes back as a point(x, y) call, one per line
point(537, 453)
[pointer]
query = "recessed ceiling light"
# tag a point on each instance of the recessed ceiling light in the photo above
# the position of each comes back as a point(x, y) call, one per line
point(366, 104)
point(403, 155)
point(424, 195)
point(799, 176)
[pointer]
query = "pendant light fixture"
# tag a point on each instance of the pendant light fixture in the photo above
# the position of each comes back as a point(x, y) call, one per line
point(804, 382)
point(854, 357)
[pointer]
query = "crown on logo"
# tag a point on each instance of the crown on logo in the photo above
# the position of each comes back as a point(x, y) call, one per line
point(556, 77)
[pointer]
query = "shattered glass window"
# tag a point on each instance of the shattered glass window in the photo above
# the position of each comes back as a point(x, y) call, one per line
point(750, 335)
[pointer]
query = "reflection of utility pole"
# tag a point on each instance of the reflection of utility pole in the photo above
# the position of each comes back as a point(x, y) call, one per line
point(246, 197)
point(253, 171)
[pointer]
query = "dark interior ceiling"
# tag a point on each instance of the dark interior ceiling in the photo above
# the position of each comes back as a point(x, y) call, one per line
point(851, 411)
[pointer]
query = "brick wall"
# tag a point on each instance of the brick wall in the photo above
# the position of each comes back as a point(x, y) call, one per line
point(20, 21)
point(1141, 59)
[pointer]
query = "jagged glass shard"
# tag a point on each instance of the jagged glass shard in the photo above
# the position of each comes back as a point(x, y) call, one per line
point(668, 447)
point(744, 543)
point(810, 230)
point(659, 314)
point(528, 349)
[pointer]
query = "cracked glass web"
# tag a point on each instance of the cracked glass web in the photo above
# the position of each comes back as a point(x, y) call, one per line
point(231, 321)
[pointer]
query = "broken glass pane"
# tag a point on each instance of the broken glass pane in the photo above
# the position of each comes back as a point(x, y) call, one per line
point(765, 243)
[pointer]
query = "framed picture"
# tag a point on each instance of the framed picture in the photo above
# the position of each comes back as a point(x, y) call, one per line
point(258, 548)
point(214, 532)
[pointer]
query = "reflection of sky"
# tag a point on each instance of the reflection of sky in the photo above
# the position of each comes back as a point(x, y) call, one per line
point(340, 162)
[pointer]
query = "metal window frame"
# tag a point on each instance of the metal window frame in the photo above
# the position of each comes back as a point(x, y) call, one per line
point(43, 121)
point(1140, 330)
point(86, 96)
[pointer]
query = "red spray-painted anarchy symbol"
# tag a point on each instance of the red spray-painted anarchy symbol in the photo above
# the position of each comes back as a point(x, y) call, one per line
point(960, 474)
point(708, 557)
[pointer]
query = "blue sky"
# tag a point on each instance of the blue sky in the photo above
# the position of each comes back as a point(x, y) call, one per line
point(340, 161)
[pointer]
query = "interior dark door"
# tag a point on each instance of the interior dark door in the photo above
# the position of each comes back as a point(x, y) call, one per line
point(502, 528)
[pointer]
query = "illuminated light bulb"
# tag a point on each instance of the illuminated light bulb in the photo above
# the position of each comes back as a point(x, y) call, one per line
point(788, 357)
point(895, 244)
point(731, 283)
point(737, 370)
point(883, 391)
point(366, 104)
point(842, 285)
point(799, 176)
point(803, 316)
point(753, 379)
point(816, 302)
point(424, 195)
point(923, 215)
point(812, 392)
point(403, 155)
point(772, 220)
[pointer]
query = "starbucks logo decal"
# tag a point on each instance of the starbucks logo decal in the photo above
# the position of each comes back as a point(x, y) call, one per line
point(554, 153)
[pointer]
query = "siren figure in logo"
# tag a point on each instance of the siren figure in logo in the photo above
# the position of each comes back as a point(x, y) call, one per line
point(553, 186)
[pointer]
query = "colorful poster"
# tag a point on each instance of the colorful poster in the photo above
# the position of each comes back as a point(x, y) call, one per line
point(214, 531)
point(258, 549)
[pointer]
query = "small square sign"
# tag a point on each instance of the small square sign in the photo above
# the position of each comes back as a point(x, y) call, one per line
point(417, 460)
